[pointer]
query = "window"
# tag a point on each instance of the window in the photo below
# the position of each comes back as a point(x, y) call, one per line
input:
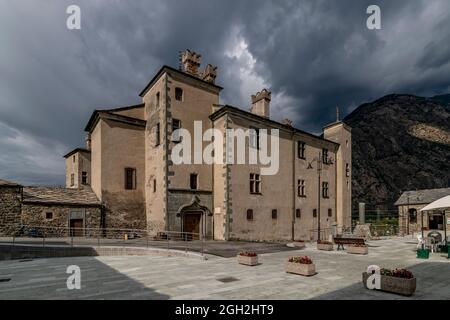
point(301, 150)
point(73, 158)
point(157, 99)
point(194, 180)
point(347, 170)
point(298, 213)
point(325, 156)
point(250, 214)
point(179, 94)
point(412, 216)
point(72, 179)
point(254, 138)
point(274, 214)
point(130, 178)
point(255, 183)
point(49, 215)
point(154, 185)
point(330, 212)
point(301, 188)
point(325, 190)
point(84, 178)
point(176, 124)
point(315, 213)
point(158, 134)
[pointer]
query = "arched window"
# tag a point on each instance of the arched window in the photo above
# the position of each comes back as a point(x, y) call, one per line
point(412, 216)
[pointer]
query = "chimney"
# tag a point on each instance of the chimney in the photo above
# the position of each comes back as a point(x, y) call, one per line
point(287, 122)
point(210, 73)
point(88, 141)
point(261, 103)
point(190, 62)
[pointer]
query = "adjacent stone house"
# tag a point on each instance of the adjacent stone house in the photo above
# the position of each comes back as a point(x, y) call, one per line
point(409, 205)
point(64, 208)
point(128, 163)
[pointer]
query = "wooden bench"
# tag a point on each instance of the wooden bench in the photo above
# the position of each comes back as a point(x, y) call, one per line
point(340, 241)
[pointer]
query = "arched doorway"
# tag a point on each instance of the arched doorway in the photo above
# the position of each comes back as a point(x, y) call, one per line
point(193, 219)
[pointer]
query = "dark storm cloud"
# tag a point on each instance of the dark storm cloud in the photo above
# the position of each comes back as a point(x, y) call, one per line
point(313, 55)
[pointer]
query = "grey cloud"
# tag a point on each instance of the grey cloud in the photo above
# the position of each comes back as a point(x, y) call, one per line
point(313, 55)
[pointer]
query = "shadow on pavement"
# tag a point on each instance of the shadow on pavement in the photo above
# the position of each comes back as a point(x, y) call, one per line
point(46, 279)
point(433, 282)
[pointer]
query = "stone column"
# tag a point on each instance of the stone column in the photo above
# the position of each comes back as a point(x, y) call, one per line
point(362, 213)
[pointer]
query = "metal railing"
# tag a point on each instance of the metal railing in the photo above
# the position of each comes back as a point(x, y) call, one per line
point(47, 236)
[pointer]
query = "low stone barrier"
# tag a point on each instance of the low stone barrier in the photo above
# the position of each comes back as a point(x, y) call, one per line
point(10, 252)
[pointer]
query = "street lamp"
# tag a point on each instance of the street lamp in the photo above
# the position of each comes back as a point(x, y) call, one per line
point(319, 170)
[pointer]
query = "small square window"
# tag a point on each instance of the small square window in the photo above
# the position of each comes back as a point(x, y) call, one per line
point(325, 159)
point(158, 134)
point(330, 212)
point(157, 99)
point(301, 147)
point(130, 178)
point(315, 213)
point(154, 185)
point(298, 213)
point(176, 124)
point(178, 94)
point(84, 178)
point(194, 181)
point(250, 214)
point(274, 214)
point(255, 183)
point(49, 215)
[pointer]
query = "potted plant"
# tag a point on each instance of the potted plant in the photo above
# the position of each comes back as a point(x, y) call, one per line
point(300, 265)
point(423, 253)
point(299, 244)
point(398, 281)
point(324, 245)
point(358, 249)
point(248, 258)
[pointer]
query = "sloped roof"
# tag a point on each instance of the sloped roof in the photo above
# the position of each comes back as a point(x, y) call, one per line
point(7, 183)
point(60, 196)
point(422, 196)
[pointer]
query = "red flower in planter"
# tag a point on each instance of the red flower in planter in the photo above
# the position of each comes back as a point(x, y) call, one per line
point(302, 260)
point(402, 273)
point(248, 254)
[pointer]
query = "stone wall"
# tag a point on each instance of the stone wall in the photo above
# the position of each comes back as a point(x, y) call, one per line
point(35, 215)
point(179, 199)
point(10, 208)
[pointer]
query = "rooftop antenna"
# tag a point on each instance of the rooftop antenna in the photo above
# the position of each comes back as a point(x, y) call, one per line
point(337, 113)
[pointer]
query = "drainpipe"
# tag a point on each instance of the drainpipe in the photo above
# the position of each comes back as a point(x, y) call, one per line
point(166, 154)
point(293, 186)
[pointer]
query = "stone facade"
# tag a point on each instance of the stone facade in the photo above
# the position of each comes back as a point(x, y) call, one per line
point(213, 199)
point(35, 214)
point(10, 206)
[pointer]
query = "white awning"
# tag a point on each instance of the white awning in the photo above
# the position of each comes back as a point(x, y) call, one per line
point(442, 203)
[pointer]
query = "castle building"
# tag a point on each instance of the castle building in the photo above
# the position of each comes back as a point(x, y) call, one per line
point(127, 162)
point(128, 165)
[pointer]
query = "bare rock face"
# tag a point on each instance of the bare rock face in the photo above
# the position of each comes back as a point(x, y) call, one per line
point(400, 142)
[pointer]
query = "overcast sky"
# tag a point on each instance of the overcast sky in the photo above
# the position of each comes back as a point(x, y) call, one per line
point(312, 55)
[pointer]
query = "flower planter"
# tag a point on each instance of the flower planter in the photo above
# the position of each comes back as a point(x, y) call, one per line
point(423, 253)
point(325, 246)
point(299, 244)
point(248, 261)
point(402, 286)
point(300, 268)
point(357, 250)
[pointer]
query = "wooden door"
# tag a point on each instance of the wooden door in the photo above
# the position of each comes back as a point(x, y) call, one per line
point(76, 228)
point(192, 224)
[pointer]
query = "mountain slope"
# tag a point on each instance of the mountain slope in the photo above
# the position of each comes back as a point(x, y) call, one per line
point(400, 142)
